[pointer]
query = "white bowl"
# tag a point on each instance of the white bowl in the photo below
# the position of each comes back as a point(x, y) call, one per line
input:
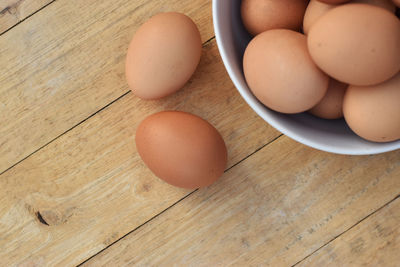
point(327, 135)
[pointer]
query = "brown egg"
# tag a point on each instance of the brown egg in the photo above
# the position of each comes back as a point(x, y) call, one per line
point(182, 149)
point(262, 15)
point(280, 72)
point(357, 44)
point(330, 107)
point(373, 112)
point(316, 9)
point(162, 55)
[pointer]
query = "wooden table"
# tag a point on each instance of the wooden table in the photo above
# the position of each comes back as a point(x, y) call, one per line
point(74, 191)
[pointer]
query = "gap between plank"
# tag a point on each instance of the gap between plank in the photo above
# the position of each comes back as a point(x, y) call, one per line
point(79, 123)
point(345, 231)
point(22, 20)
point(177, 202)
point(58, 136)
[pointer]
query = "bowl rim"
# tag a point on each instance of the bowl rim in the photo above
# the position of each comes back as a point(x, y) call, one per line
point(258, 108)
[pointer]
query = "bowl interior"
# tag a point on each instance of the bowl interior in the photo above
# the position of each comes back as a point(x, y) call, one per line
point(327, 135)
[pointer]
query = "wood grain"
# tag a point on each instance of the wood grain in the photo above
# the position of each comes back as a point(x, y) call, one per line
point(273, 209)
point(13, 11)
point(68, 63)
point(373, 242)
point(90, 186)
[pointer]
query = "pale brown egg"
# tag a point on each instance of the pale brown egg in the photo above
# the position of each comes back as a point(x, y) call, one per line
point(162, 55)
point(373, 112)
point(331, 106)
point(262, 15)
point(182, 149)
point(280, 73)
point(357, 44)
point(316, 9)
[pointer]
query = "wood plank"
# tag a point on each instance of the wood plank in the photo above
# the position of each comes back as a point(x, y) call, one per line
point(272, 209)
point(14, 11)
point(68, 63)
point(90, 185)
point(373, 242)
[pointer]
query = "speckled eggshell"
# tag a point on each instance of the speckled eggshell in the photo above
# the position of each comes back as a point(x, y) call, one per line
point(331, 106)
point(262, 15)
point(373, 112)
point(357, 44)
point(162, 55)
point(280, 73)
point(182, 149)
